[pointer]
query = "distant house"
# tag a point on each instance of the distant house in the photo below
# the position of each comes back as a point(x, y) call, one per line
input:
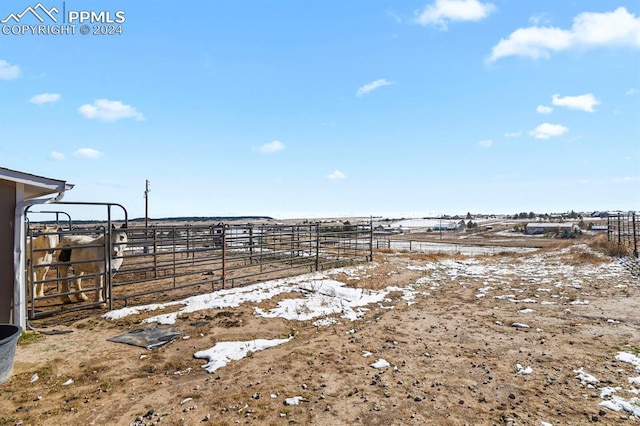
point(537, 228)
point(382, 230)
point(599, 228)
point(448, 226)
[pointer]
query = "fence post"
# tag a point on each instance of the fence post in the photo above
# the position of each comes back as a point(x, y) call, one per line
point(292, 243)
point(262, 240)
point(317, 245)
point(250, 244)
point(108, 275)
point(30, 271)
point(635, 234)
point(155, 252)
point(224, 255)
point(371, 240)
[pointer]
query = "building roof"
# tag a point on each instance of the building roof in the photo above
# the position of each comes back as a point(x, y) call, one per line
point(34, 186)
point(550, 225)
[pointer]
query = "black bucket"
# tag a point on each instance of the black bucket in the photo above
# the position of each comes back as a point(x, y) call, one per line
point(9, 334)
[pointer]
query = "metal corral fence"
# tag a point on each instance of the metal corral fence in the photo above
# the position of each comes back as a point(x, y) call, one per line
point(172, 261)
point(623, 229)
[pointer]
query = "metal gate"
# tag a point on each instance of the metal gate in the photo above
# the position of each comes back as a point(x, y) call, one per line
point(46, 232)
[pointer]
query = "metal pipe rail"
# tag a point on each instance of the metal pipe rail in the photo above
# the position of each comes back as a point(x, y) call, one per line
point(174, 261)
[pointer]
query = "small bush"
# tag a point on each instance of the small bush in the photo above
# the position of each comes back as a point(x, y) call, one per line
point(27, 337)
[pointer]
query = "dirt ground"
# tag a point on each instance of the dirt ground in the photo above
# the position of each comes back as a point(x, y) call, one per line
point(453, 353)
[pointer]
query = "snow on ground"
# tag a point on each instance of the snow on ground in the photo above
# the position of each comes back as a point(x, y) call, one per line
point(324, 298)
point(466, 250)
point(610, 396)
point(224, 352)
point(381, 363)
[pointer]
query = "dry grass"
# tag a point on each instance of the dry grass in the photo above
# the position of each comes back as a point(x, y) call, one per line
point(385, 250)
point(609, 248)
point(429, 257)
point(585, 258)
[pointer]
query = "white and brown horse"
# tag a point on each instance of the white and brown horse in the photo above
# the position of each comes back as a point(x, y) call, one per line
point(40, 251)
point(87, 255)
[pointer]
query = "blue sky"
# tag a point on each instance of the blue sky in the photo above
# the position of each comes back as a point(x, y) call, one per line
point(333, 108)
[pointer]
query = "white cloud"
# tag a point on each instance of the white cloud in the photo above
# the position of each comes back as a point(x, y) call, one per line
point(271, 147)
point(44, 98)
point(106, 110)
point(442, 12)
point(534, 42)
point(626, 179)
point(513, 134)
point(546, 131)
point(632, 91)
point(581, 102)
point(336, 175)
point(8, 71)
point(88, 153)
point(57, 155)
point(542, 109)
point(539, 18)
point(370, 87)
point(617, 28)
point(487, 143)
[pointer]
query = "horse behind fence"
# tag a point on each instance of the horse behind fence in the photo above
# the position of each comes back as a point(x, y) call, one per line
point(40, 251)
point(86, 255)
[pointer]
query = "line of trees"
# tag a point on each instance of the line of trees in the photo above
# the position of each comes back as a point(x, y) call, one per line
point(545, 216)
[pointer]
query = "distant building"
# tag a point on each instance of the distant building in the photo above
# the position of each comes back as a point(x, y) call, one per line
point(448, 226)
point(536, 228)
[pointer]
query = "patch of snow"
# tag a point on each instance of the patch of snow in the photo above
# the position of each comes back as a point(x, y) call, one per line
point(519, 325)
point(324, 297)
point(325, 322)
point(523, 301)
point(294, 400)
point(523, 370)
point(629, 359)
point(608, 391)
point(617, 404)
point(585, 377)
point(381, 363)
point(224, 352)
